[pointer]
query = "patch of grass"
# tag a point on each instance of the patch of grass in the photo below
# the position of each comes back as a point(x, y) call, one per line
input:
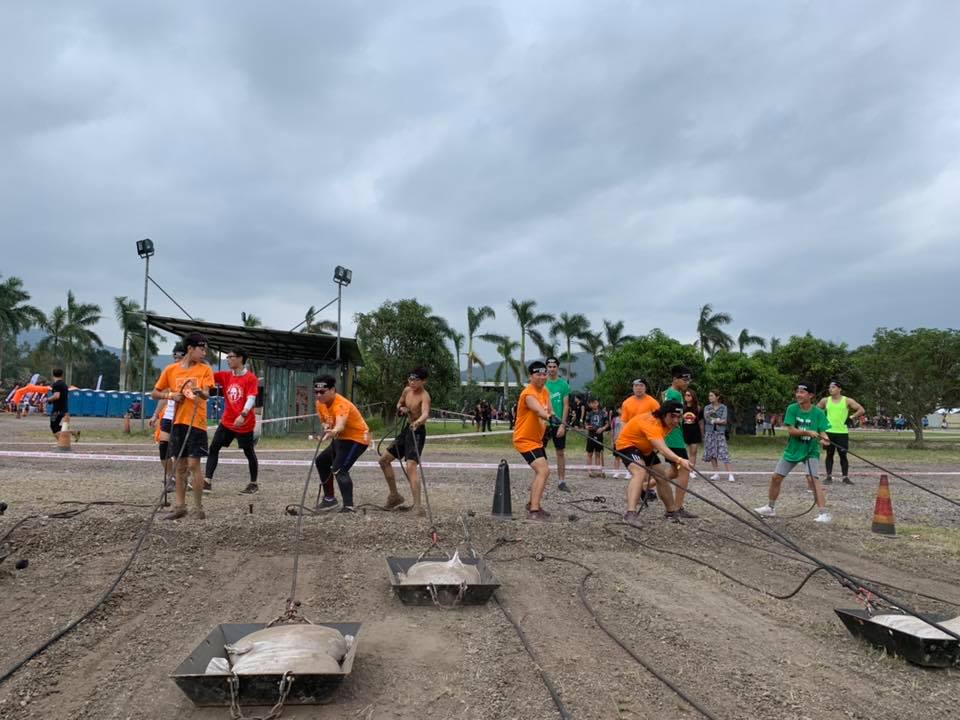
point(877, 446)
point(946, 539)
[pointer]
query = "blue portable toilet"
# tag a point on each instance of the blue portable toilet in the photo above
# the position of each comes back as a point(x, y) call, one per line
point(100, 403)
point(87, 403)
point(115, 403)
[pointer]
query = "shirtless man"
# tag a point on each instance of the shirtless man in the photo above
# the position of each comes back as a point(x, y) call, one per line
point(414, 402)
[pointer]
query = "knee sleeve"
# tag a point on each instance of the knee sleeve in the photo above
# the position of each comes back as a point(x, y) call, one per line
point(164, 445)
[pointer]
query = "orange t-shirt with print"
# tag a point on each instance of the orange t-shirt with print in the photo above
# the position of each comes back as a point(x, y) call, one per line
point(634, 406)
point(356, 428)
point(640, 431)
point(529, 427)
point(174, 377)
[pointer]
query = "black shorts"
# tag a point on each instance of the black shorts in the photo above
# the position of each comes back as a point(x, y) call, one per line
point(679, 452)
point(551, 434)
point(692, 435)
point(194, 439)
point(56, 421)
point(166, 424)
point(224, 436)
point(638, 457)
point(531, 455)
point(595, 443)
point(838, 440)
point(403, 448)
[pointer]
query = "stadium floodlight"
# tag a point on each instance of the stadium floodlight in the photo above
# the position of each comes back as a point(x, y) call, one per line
point(145, 247)
point(342, 276)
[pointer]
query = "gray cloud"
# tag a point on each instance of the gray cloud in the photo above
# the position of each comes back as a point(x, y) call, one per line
point(794, 164)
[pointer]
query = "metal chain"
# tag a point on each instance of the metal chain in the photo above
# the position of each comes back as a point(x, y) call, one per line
point(432, 589)
point(236, 712)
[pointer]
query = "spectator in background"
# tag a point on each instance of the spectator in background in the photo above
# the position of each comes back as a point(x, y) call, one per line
point(715, 419)
point(597, 422)
point(692, 429)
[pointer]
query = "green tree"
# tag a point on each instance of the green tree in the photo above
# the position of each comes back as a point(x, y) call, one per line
point(130, 319)
point(745, 382)
point(593, 344)
point(613, 335)
point(317, 327)
point(475, 316)
point(913, 373)
point(528, 319)
point(505, 349)
point(250, 320)
point(710, 333)
point(745, 340)
point(78, 338)
point(395, 338)
point(15, 314)
point(54, 326)
point(775, 344)
point(98, 362)
point(651, 357)
point(805, 357)
point(570, 328)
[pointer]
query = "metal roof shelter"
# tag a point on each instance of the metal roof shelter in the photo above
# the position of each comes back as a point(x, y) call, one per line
point(289, 361)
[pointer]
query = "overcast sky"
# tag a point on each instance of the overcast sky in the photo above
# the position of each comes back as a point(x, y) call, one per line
point(796, 164)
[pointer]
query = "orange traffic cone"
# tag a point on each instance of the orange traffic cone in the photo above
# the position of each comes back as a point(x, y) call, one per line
point(883, 521)
point(126, 424)
point(64, 437)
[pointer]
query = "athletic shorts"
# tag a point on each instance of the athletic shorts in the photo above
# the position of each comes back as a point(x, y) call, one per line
point(595, 443)
point(224, 436)
point(531, 455)
point(403, 448)
point(194, 439)
point(680, 452)
point(785, 466)
point(165, 425)
point(839, 440)
point(56, 421)
point(559, 442)
point(638, 457)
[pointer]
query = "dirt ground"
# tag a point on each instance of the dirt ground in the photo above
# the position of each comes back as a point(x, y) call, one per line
point(736, 651)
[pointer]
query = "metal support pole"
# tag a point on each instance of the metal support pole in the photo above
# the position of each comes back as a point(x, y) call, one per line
point(339, 366)
point(146, 340)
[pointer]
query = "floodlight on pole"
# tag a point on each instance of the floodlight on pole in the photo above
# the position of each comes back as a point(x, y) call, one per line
point(341, 276)
point(145, 250)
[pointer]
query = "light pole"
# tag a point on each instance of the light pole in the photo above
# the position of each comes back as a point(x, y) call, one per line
point(144, 250)
point(342, 277)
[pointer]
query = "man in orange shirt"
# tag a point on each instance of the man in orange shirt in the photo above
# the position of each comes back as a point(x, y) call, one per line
point(637, 446)
point(343, 422)
point(188, 384)
point(638, 404)
point(534, 413)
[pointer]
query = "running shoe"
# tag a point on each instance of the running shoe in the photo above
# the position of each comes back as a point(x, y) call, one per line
point(327, 503)
point(393, 501)
point(651, 496)
point(823, 517)
point(170, 485)
point(347, 509)
point(731, 478)
point(847, 481)
point(715, 477)
point(672, 516)
point(537, 515)
point(828, 480)
point(631, 518)
point(207, 486)
point(684, 513)
point(765, 511)
point(198, 514)
point(527, 506)
point(250, 489)
point(562, 487)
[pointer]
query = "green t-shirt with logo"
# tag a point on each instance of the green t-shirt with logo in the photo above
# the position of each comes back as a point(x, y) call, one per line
point(675, 438)
point(558, 389)
point(800, 448)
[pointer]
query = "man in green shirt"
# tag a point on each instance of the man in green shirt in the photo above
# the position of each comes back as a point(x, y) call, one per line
point(807, 427)
point(559, 390)
point(674, 441)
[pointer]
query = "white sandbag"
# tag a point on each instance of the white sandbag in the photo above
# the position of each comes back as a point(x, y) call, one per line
point(917, 627)
point(218, 666)
point(441, 572)
point(300, 649)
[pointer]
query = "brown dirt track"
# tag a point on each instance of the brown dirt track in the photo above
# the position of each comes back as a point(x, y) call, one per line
point(738, 652)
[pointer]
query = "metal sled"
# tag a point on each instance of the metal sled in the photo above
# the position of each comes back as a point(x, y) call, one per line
point(203, 689)
point(445, 596)
point(926, 652)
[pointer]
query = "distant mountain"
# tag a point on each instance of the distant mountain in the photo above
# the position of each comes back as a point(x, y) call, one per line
point(32, 337)
point(582, 370)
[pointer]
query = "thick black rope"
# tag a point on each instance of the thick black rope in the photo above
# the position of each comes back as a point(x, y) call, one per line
point(901, 477)
point(845, 579)
point(298, 534)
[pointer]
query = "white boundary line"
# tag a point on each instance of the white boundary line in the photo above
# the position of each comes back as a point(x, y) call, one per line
point(46, 455)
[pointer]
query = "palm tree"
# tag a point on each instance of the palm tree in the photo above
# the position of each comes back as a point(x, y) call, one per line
point(570, 327)
point(250, 320)
point(614, 335)
point(128, 315)
point(528, 320)
point(135, 364)
point(320, 327)
point(710, 331)
point(457, 339)
point(505, 349)
point(745, 340)
point(475, 316)
point(77, 335)
point(54, 325)
point(592, 343)
point(775, 344)
point(15, 315)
